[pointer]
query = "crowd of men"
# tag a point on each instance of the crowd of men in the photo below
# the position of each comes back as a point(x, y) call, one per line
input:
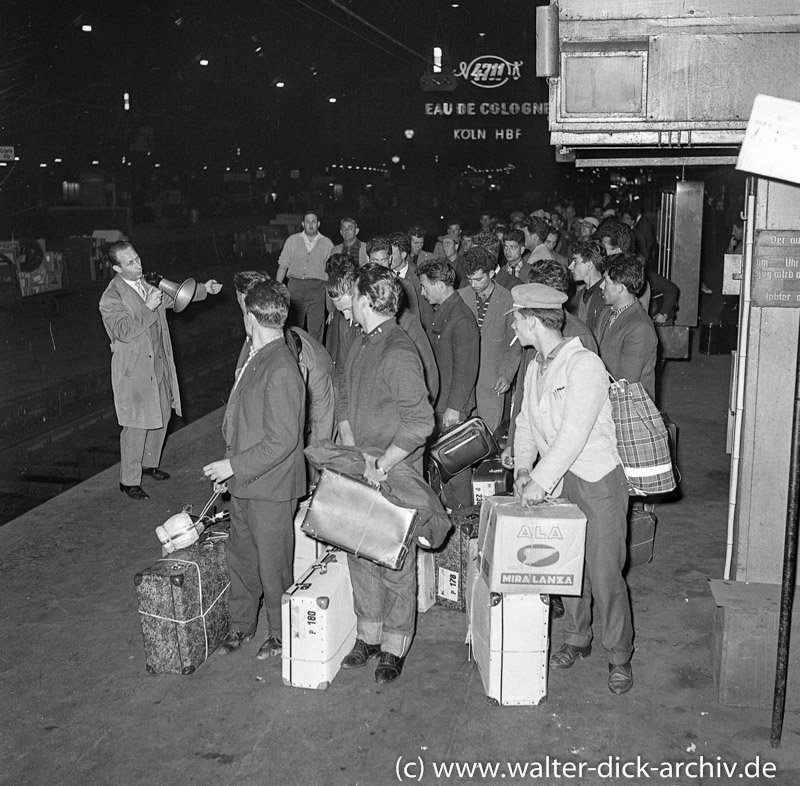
point(382, 346)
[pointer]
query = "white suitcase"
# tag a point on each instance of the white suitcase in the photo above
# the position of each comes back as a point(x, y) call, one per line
point(307, 550)
point(318, 623)
point(508, 635)
point(426, 580)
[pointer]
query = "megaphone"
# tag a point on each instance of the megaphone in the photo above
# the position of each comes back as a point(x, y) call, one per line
point(182, 294)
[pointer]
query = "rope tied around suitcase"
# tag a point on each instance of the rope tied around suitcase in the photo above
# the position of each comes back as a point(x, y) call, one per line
point(202, 615)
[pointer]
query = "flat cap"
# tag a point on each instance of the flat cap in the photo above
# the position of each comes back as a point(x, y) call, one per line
point(590, 220)
point(536, 296)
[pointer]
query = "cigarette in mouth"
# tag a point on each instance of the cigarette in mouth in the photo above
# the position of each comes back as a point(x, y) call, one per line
point(513, 341)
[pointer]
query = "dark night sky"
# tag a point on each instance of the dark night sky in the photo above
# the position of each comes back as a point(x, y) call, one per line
point(62, 88)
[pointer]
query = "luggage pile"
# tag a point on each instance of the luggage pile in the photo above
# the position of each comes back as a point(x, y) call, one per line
point(520, 556)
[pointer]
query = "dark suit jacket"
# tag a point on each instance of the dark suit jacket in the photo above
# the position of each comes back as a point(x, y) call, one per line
point(629, 346)
point(263, 428)
point(414, 298)
point(456, 344)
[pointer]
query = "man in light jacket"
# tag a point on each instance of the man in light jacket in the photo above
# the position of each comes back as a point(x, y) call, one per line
point(142, 365)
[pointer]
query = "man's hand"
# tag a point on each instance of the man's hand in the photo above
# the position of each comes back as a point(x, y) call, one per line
point(451, 417)
point(521, 480)
point(220, 488)
point(372, 472)
point(218, 471)
point(153, 299)
point(213, 286)
point(501, 386)
point(507, 458)
point(532, 494)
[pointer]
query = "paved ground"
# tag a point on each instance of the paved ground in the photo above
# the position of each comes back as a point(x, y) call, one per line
point(78, 707)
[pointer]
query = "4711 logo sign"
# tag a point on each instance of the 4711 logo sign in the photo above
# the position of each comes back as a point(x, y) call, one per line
point(489, 71)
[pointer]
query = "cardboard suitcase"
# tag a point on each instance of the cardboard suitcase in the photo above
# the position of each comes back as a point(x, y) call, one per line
point(183, 607)
point(451, 559)
point(318, 623)
point(508, 635)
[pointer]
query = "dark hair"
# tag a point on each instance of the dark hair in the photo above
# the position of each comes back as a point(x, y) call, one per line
point(438, 269)
point(268, 302)
point(416, 231)
point(487, 240)
point(342, 271)
point(381, 287)
point(551, 273)
point(454, 222)
point(245, 280)
point(401, 240)
point(113, 249)
point(311, 213)
point(380, 243)
point(591, 251)
point(626, 269)
point(540, 228)
point(517, 236)
point(522, 223)
point(552, 318)
point(621, 237)
point(477, 259)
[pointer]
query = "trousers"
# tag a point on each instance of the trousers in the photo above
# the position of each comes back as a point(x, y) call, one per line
point(259, 554)
point(605, 505)
point(308, 305)
point(141, 447)
point(385, 602)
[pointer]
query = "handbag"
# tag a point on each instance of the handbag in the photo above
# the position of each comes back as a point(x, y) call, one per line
point(462, 446)
point(354, 516)
point(642, 439)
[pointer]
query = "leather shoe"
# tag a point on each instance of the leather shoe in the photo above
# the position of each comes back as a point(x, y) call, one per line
point(271, 648)
point(134, 492)
point(155, 473)
point(234, 640)
point(389, 668)
point(360, 654)
point(556, 606)
point(568, 654)
point(620, 677)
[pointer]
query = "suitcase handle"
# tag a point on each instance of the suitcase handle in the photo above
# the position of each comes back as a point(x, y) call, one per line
point(459, 445)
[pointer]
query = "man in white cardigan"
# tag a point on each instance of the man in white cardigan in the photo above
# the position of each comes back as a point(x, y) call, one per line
point(566, 423)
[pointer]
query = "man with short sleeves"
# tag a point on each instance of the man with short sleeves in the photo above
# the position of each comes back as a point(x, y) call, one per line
point(302, 261)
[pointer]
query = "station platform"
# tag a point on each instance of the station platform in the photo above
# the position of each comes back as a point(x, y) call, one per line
point(78, 707)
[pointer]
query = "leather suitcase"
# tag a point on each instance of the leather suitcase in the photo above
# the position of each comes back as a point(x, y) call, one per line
point(508, 636)
point(354, 516)
point(641, 537)
point(318, 623)
point(452, 558)
point(307, 550)
point(183, 607)
point(462, 446)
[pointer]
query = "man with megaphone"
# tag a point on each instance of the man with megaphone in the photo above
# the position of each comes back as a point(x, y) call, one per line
point(142, 364)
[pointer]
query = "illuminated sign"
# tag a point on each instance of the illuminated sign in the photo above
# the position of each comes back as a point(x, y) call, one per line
point(489, 71)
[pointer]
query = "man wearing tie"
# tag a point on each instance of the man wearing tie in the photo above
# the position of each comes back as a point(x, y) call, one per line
point(142, 365)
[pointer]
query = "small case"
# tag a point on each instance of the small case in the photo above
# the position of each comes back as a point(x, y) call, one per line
point(462, 446)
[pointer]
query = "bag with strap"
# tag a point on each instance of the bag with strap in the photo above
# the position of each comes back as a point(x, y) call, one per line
point(642, 439)
point(463, 446)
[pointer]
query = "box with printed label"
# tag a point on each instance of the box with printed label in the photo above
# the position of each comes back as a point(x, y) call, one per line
point(537, 549)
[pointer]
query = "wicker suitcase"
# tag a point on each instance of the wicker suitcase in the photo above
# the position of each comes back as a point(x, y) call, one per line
point(318, 623)
point(183, 607)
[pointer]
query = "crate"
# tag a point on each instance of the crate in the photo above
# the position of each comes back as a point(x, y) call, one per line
point(744, 645)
